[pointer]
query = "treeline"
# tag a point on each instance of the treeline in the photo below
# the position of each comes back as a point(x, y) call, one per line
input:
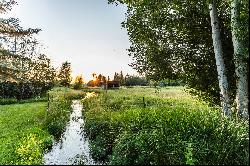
point(36, 80)
point(23, 90)
point(127, 80)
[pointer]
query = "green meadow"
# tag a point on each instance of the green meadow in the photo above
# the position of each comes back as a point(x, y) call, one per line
point(28, 130)
point(142, 125)
point(136, 125)
point(22, 136)
point(124, 82)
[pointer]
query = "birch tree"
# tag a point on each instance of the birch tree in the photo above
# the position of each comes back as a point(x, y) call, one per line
point(223, 84)
point(240, 60)
point(173, 38)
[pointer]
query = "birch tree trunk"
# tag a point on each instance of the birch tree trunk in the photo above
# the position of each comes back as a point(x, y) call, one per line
point(223, 84)
point(240, 63)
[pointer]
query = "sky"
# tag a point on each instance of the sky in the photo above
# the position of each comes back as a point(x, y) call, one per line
point(87, 33)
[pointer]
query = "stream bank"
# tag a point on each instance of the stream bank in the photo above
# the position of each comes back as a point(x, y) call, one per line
point(72, 148)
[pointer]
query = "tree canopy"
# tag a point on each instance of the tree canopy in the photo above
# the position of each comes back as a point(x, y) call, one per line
point(64, 75)
point(173, 39)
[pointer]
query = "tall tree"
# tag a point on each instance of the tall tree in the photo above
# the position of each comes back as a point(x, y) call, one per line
point(12, 35)
point(223, 84)
point(241, 57)
point(172, 39)
point(41, 70)
point(64, 75)
point(79, 79)
point(116, 77)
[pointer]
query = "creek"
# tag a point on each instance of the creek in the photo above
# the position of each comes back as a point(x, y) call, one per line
point(72, 148)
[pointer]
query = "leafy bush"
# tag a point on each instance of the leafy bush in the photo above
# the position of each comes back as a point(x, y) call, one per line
point(169, 82)
point(77, 86)
point(23, 90)
point(123, 132)
point(5, 101)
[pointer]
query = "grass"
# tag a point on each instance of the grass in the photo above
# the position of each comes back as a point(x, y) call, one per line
point(136, 125)
point(27, 130)
point(18, 123)
point(168, 127)
point(8, 101)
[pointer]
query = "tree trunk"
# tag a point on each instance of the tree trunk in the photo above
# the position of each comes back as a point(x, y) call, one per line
point(223, 84)
point(240, 63)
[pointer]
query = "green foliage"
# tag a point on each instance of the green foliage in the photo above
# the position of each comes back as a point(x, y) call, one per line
point(25, 128)
point(135, 80)
point(25, 63)
point(22, 135)
point(189, 155)
point(8, 101)
point(119, 77)
point(172, 129)
point(173, 40)
point(64, 75)
point(29, 151)
point(57, 115)
point(24, 90)
point(78, 82)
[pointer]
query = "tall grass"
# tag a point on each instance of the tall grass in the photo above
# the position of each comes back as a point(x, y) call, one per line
point(174, 128)
point(59, 109)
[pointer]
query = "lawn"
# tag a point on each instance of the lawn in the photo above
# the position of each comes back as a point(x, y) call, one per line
point(19, 123)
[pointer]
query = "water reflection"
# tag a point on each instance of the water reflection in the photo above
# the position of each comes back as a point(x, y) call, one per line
point(73, 147)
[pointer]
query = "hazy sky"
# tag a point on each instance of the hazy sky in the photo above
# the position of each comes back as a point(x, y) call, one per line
point(87, 33)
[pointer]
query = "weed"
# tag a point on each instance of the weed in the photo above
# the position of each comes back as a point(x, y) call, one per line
point(189, 155)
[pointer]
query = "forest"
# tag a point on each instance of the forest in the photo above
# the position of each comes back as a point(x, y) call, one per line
point(187, 105)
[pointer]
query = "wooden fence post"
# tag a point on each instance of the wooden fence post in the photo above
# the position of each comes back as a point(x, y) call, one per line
point(48, 100)
point(144, 104)
point(47, 109)
point(106, 91)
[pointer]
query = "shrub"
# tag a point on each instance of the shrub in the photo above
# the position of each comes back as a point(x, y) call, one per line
point(135, 80)
point(23, 90)
point(7, 101)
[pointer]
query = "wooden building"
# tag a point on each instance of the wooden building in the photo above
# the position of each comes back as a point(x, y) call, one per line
point(113, 84)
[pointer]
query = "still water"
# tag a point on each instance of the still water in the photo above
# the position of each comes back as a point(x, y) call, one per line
point(72, 148)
